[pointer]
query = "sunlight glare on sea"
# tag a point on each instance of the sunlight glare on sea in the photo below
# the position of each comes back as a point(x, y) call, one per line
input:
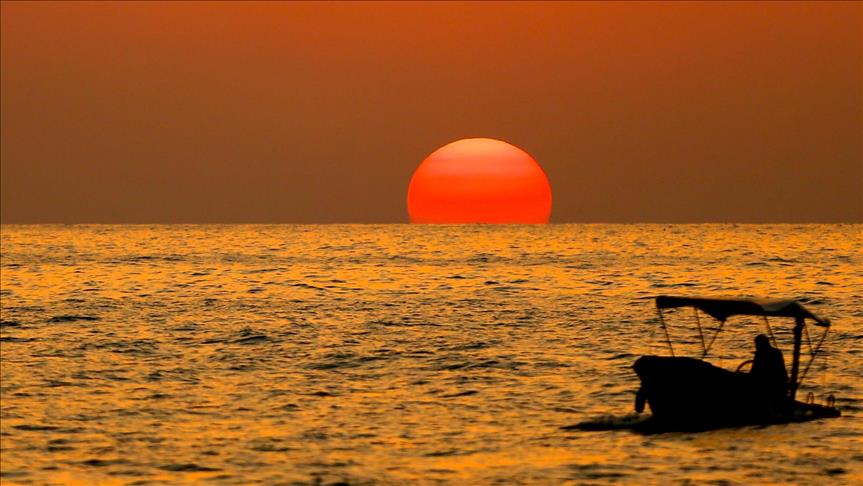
point(400, 354)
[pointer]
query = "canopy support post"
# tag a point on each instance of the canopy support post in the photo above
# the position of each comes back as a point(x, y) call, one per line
point(770, 331)
point(795, 363)
point(715, 335)
point(664, 328)
point(814, 353)
point(700, 334)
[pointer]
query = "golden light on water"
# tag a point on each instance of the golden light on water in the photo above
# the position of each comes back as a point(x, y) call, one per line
point(390, 353)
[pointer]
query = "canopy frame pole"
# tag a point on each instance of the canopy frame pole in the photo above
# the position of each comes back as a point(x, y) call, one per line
point(665, 329)
point(715, 335)
point(799, 324)
point(770, 331)
point(809, 342)
point(814, 353)
point(700, 333)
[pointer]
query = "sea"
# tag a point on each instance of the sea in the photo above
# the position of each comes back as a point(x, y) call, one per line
point(404, 354)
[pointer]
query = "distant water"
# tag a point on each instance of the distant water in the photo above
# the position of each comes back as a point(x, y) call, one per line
point(399, 354)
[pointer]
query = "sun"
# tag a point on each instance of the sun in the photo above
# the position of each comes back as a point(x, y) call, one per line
point(479, 180)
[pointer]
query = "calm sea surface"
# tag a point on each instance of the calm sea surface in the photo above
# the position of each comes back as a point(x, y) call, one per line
point(400, 354)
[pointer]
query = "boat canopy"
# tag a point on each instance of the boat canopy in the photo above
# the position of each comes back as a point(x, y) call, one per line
point(722, 309)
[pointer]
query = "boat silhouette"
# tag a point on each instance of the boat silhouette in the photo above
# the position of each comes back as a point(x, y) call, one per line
point(691, 394)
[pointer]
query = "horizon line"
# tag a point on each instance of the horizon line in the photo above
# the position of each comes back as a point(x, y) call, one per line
point(332, 223)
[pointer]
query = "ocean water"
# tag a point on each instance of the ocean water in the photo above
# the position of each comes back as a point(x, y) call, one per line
point(398, 354)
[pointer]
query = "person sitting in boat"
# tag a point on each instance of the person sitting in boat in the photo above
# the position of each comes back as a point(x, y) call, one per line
point(768, 371)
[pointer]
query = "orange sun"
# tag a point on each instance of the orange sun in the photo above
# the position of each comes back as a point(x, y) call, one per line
point(479, 180)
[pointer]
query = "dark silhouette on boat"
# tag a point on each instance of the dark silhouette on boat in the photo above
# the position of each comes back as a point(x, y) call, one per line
point(688, 394)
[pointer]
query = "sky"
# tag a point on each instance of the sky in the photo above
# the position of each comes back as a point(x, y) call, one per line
point(220, 112)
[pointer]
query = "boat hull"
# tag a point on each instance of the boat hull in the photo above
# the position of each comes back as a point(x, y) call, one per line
point(690, 394)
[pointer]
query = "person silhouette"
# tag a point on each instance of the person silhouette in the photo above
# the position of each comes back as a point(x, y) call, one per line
point(768, 372)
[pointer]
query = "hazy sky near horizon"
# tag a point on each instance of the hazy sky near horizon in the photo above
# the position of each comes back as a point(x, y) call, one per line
point(315, 113)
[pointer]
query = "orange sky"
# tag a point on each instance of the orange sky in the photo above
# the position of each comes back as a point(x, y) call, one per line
point(286, 112)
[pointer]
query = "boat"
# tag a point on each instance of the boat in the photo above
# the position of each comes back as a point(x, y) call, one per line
point(691, 394)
